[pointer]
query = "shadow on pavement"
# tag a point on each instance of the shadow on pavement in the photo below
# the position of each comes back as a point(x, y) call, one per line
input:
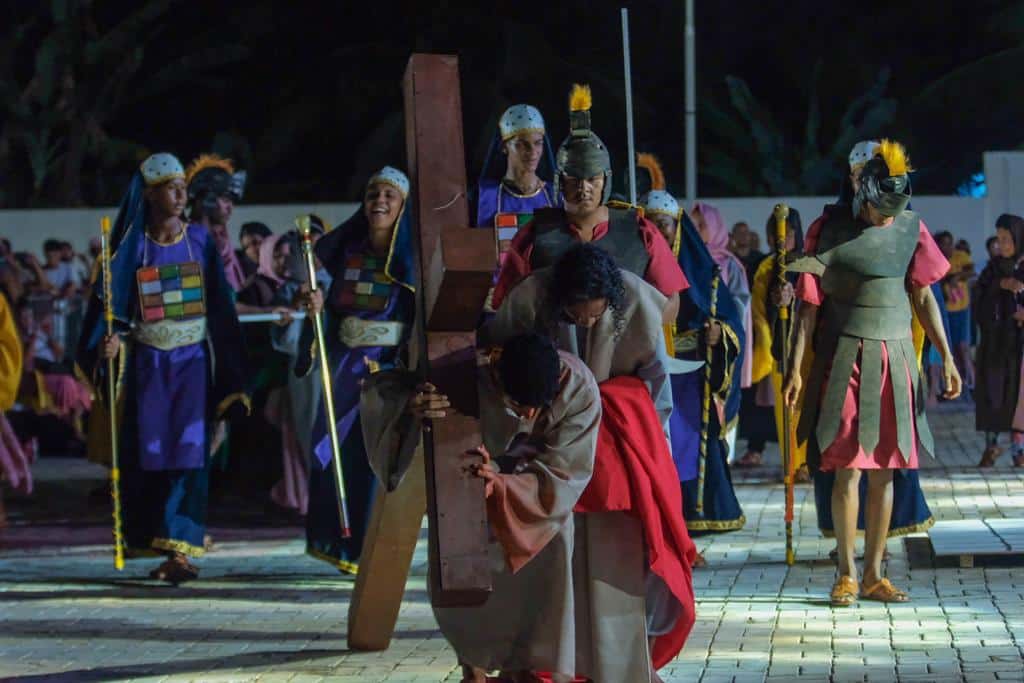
point(188, 666)
point(312, 592)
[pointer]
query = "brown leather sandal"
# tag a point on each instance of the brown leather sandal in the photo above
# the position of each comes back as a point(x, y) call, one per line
point(749, 459)
point(844, 592)
point(884, 591)
point(989, 457)
point(175, 570)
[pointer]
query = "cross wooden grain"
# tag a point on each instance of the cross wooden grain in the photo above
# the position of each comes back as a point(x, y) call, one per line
point(455, 266)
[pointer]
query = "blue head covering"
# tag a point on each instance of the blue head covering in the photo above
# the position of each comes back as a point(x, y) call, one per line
point(129, 227)
point(400, 267)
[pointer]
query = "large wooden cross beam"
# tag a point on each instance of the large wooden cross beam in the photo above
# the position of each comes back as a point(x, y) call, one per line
point(456, 264)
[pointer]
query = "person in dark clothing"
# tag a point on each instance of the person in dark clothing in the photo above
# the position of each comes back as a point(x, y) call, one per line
point(999, 314)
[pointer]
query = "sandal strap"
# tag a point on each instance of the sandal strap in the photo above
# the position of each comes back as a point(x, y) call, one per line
point(888, 591)
point(844, 589)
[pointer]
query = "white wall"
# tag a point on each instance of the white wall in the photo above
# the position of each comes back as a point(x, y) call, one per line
point(1004, 172)
point(965, 217)
point(29, 228)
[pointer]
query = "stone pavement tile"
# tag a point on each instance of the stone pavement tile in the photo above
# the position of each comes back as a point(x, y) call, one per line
point(748, 677)
point(755, 615)
point(815, 668)
point(912, 668)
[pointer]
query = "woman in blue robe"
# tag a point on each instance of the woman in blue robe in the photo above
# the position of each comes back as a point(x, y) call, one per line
point(368, 314)
point(176, 343)
point(715, 508)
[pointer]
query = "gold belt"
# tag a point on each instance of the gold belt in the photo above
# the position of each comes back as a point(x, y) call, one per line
point(355, 332)
point(171, 334)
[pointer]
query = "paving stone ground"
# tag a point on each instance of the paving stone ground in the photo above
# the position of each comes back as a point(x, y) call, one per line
point(262, 611)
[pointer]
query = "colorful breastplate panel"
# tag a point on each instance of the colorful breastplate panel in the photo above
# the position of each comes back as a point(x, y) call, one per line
point(363, 286)
point(506, 225)
point(171, 292)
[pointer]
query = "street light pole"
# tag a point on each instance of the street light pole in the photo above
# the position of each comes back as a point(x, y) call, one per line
point(691, 107)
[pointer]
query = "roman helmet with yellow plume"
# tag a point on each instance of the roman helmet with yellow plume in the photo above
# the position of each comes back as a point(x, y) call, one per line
point(885, 180)
point(582, 154)
point(210, 176)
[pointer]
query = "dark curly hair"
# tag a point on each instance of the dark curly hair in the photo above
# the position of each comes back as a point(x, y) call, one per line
point(529, 368)
point(584, 273)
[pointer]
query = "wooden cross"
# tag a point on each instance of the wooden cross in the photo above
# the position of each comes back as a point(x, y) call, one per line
point(456, 265)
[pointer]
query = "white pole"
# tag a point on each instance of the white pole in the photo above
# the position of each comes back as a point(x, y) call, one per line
point(629, 106)
point(246, 318)
point(691, 108)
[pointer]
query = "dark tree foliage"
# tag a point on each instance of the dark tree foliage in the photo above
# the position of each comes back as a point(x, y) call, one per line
point(307, 97)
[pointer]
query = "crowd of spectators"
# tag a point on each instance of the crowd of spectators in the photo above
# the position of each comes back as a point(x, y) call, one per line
point(48, 300)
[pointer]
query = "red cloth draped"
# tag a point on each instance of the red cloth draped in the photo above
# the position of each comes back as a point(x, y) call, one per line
point(634, 473)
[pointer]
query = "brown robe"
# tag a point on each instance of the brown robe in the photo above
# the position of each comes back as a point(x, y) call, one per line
point(528, 621)
point(609, 562)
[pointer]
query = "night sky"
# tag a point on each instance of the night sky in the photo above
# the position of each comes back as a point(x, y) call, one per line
point(309, 101)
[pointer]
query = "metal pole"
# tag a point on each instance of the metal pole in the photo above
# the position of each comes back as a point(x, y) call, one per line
point(629, 106)
point(781, 213)
point(115, 463)
point(302, 223)
point(691, 107)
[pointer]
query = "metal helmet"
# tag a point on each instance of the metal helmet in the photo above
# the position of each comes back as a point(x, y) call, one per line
point(582, 154)
point(862, 152)
point(210, 176)
point(885, 181)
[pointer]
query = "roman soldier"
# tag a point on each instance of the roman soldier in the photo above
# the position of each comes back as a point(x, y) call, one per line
point(583, 176)
point(863, 408)
point(214, 187)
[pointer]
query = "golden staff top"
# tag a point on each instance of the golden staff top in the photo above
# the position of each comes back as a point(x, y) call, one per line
point(302, 222)
point(115, 469)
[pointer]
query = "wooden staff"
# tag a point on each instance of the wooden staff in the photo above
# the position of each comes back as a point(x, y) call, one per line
point(706, 407)
point(325, 377)
point(781, 214)
point(115, 469)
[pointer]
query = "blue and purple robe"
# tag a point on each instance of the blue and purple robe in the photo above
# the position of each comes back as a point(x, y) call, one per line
point(170, 396)
point(494, 197)
point(364, 287)
point(721, 509)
